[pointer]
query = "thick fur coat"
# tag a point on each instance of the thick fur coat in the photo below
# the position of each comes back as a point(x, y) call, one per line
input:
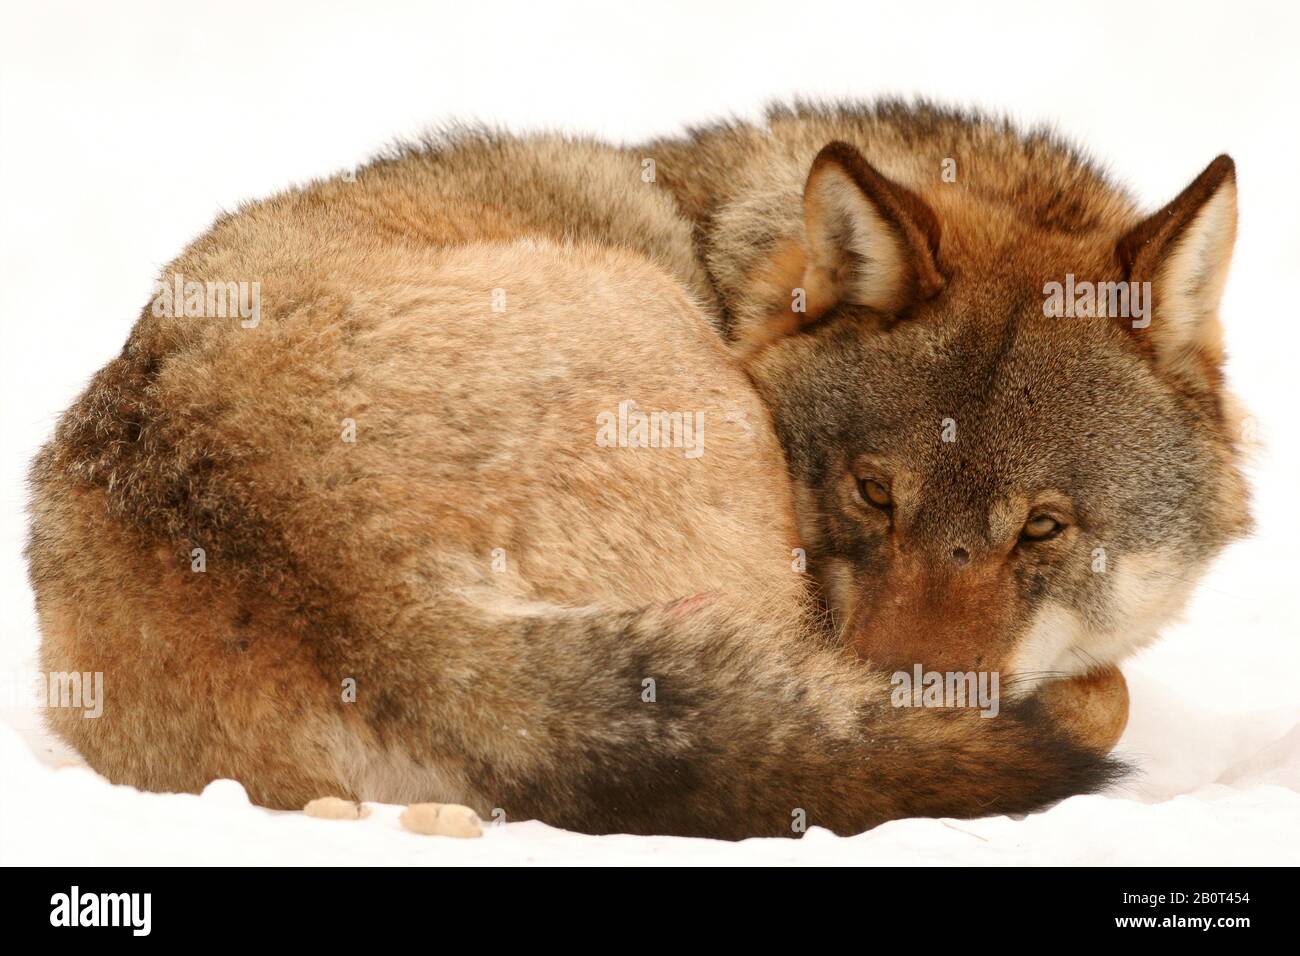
point(373, 545)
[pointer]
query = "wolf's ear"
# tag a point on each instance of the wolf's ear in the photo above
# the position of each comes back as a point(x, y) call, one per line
point(869, 241)
point(1184, 251)
point(865, 241)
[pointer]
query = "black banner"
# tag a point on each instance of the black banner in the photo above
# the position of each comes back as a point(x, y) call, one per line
point(301, 905)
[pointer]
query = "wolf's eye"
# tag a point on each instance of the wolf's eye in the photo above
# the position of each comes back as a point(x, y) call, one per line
point(1041, 528)
point(875, 494)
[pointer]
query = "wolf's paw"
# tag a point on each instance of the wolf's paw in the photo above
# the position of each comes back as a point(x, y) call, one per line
point(1092, 708)
point(442, 819)
point(334, 808)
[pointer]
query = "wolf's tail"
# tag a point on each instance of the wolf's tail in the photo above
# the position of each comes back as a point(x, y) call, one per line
point(696, 720)
point(696, 723)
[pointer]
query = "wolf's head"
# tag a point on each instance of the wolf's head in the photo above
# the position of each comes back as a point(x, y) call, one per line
point(997, 468)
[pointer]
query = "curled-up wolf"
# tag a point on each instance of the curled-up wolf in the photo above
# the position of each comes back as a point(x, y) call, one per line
point(476, 506)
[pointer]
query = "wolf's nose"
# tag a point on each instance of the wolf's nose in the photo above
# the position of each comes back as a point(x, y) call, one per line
point(960, 555)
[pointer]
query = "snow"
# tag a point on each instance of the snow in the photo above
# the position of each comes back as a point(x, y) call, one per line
point(71, 816)
point(90, 216)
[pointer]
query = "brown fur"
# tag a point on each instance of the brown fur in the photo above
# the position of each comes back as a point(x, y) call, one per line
point(1093, 705)
point(519, 687)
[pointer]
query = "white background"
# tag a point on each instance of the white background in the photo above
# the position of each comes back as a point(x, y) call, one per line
point(125, 127)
